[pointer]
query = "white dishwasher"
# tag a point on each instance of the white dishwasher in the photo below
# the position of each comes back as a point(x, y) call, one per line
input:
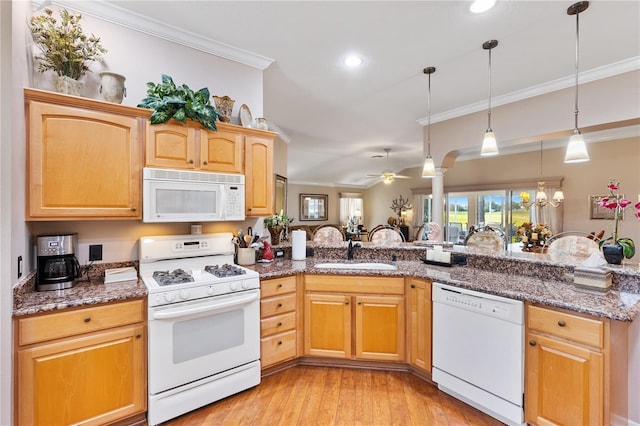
point(478, 352)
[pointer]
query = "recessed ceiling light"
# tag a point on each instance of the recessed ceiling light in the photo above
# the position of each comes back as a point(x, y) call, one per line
point(352, 61)
point(479, 6)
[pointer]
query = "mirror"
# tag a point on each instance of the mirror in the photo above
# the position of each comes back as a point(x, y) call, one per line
point(280, 202)
point(314, 206)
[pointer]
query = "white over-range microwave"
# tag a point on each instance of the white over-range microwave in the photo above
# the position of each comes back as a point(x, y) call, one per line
point(186, 196)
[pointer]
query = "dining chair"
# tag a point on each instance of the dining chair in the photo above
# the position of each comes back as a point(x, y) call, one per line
point(386, 235)
point(328, 234)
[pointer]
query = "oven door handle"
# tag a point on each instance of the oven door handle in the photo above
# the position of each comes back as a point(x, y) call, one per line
point(236, 301)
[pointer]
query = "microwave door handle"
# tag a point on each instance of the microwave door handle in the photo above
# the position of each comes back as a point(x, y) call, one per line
point(236, 301)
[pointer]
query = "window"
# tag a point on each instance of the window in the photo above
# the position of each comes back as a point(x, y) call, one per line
point(351, 210)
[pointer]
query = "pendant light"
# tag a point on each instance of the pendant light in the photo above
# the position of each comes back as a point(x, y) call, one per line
point(429, 169)
point(577, 149)
point(489, 145)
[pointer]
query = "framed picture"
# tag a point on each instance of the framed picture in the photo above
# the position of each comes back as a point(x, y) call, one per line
point(596, 211)
point(314, 206)
point(280, 201)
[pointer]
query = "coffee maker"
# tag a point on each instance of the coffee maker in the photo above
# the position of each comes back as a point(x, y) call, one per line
point(58, 267)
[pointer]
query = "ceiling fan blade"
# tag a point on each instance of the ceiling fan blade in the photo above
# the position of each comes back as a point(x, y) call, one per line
point(401, 177)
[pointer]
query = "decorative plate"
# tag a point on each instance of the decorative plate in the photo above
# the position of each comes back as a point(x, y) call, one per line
point(246, 119)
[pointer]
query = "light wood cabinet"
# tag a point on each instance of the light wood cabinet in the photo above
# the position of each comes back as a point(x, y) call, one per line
point(419, 323)
point(83, 161)
point(81, 366)
point(278, 335)
point(572, 373)
point(354, 317)
point(184, 146)
point(230, 149)
point(259, 176)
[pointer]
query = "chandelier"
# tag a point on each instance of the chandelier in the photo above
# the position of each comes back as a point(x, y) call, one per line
point(541, 199)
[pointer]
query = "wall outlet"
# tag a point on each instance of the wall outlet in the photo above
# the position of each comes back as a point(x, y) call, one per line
point(95, 252)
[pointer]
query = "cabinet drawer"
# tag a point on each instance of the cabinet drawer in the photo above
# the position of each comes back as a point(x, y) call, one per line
point(572, 327)
point(277, 324)
point(354, 284)
point(277, 348)
point(70, 323)
point(277, 286)
point(277, 305)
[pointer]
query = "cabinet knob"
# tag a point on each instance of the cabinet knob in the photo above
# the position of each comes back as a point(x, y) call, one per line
point(190, 161)
point(279, 324)
point(279, 305)
point(280, 285)
point(134, 208)
point(87, 319)
point(561, 323)
point(279, 342)
point(204, 163)
point(532, 342)
point(413, 286)
point(138, 336)
point(359, 303)
point(346, 303)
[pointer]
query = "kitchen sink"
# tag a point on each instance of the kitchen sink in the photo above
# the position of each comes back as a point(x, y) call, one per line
point(364, 265)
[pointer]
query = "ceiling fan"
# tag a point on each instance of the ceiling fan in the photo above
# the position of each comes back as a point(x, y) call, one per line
point(387, 175)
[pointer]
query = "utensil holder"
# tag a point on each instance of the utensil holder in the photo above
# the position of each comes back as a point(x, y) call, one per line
point(246, 256)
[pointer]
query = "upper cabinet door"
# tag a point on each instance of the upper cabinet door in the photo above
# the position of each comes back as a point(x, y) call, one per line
point(221, 151)
point(259, 176)
point(171, 146)
point(82, 163)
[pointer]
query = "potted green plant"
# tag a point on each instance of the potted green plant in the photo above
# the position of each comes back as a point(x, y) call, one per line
point(179, 102)
point(616, 248)
point(275, 225)
point(66, 50)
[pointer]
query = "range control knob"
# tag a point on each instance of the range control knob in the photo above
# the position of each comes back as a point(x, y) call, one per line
point(184, 294)
point(233, 286)
point(245, 285)
point(211, 290)
point(169, 297)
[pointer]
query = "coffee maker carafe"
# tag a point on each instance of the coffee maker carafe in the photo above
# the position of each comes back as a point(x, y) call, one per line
point(58, 267)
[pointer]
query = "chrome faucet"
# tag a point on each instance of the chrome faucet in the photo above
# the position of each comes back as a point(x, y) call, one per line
point(351, 249)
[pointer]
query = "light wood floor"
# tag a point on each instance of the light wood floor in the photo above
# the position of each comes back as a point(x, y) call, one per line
point(305, 395)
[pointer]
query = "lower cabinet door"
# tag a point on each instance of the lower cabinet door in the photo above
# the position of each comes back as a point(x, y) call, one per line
point(379, 330)
point(565, 383)
point(327, 325)
point(92, 379)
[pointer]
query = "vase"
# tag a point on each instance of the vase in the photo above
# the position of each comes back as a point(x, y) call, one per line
point(224, 105)
point(613, 253)
point(112, 87)
point(275, 232)
point(67, 85)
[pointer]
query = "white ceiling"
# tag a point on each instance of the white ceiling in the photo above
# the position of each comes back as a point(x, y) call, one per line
point(337, 118)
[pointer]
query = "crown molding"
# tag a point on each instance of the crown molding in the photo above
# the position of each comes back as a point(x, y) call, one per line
point(111, 13)
point(631, 64)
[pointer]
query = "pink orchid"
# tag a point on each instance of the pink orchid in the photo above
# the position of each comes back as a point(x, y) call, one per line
point(624, 203)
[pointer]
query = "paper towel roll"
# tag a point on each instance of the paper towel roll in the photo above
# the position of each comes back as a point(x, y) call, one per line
point(298, 245)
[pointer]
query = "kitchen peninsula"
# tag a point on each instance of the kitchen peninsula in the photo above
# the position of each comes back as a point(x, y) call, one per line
point(536, 279)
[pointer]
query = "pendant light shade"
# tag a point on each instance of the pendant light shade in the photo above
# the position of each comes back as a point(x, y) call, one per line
point(429, 169)
point(577, 149)
point(489, 145)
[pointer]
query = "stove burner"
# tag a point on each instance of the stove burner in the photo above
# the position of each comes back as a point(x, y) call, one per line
point(225, 270)
point(177, 276)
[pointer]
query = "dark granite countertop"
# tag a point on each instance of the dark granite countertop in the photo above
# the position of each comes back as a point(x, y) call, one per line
point(536, 279)
point(622, 305)
point(27, 301)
